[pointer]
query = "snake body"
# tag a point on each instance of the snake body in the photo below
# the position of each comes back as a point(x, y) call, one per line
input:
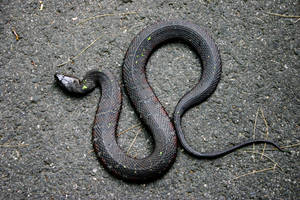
point(146, 104)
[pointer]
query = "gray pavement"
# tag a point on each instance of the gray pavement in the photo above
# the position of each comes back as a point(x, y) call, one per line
point(45, 135)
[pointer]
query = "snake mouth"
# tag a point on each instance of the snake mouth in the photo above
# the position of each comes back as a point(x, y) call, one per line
point(57, 76)
point(65, 80)
point(59, 79)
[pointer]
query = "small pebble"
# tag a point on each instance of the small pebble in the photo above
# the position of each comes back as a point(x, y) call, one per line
point(35, 99)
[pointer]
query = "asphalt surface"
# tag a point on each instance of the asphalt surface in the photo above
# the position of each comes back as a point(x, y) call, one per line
point(45, 135)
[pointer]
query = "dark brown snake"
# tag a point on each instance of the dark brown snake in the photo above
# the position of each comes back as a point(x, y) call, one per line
point(146, 104)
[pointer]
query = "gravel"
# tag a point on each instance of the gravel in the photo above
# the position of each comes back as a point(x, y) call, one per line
point(45, 135)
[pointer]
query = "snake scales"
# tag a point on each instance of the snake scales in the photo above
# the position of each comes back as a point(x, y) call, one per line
point(146, 103)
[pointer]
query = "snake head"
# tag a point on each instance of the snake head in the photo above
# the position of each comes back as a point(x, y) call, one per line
point(69, 83)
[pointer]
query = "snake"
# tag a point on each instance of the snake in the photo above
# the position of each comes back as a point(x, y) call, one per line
point(165, 131)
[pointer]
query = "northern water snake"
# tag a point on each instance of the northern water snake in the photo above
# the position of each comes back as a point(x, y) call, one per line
point(146, 104)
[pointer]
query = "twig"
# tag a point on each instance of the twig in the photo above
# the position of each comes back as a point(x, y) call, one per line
point(255, 172)
point(133, 141)
point(267, 130)
point(254, 129)
point(282, 147)
point(177, 58)
point(13, 30)
point(289, 146)
point(4, 176)
point(41, 5)
point(105, 15)
point(135, 156)
point(91, 151)
point(73, 58)
point(285, 16)
point(266, 157)
point(13, 146)
point(125, 131)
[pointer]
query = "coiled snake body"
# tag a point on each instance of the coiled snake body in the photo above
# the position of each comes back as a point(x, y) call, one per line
point(146, 103)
